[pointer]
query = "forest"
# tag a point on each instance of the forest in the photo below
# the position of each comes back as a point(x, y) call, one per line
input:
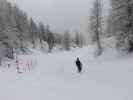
point(18, 31)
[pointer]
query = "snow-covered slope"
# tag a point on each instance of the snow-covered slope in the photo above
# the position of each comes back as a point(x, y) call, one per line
point(108, 77)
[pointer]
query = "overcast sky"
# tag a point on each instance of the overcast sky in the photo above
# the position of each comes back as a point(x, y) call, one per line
point(61, 15)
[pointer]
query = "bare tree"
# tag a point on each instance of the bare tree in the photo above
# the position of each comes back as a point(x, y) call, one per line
point(96, 25)
point(79, 39)
point(50, 39)
point(33, 32)
point(66, 41)
point(42, 35)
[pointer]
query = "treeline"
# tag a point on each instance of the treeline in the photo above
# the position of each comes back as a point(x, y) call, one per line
point(119, 24)
point(18, 31)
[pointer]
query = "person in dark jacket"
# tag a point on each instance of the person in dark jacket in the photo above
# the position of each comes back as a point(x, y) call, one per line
point(79, 65)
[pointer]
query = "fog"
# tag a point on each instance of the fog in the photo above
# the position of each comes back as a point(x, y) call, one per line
point(61, 15)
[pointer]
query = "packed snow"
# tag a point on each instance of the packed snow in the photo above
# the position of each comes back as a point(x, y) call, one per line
point(55, 77)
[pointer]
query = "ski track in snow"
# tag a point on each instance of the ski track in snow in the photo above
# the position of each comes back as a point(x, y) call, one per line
point(108, 77)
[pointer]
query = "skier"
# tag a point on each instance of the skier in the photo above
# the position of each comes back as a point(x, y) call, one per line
point(79, 65)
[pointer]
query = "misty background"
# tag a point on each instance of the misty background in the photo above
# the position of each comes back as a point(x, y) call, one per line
point(61, 15)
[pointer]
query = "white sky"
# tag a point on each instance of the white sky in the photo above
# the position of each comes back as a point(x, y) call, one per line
point(61, 15)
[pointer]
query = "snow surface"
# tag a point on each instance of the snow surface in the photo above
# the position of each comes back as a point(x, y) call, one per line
point(108, 77)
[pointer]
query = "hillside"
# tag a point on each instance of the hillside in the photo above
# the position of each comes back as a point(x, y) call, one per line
point(55, 78)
